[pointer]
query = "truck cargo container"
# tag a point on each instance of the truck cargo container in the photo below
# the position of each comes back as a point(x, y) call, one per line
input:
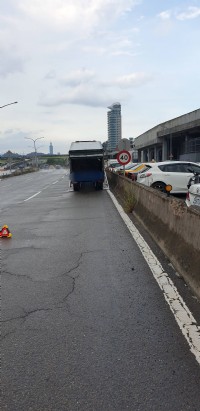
point(86, 160)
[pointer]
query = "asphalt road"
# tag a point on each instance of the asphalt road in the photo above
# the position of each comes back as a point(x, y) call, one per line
point(85, 326)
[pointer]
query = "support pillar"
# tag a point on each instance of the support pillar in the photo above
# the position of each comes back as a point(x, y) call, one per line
point(171, 149)
point(164, 149)
point(155, 153)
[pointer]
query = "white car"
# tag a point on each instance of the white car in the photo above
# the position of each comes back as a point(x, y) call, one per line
point(193, 195)
point(174, 173)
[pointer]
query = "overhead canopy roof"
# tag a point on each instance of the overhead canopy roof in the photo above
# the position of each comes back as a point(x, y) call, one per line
point(186, 122)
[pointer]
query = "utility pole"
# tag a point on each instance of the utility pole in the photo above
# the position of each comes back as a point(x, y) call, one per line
point(35, 150)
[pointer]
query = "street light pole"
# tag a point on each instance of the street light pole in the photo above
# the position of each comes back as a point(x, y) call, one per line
point(34, 141)
point(9, 104)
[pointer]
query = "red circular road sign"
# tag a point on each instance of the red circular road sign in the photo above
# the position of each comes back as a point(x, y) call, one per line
point(123, 157)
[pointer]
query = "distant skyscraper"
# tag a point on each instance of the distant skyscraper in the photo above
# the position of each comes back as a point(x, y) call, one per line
point(51, 149)
point(114, 125)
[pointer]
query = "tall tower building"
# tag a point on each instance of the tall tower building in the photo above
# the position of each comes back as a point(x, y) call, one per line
point(114, 126)
point(51, 149)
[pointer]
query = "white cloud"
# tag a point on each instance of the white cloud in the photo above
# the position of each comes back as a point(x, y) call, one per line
point(83, 88)
point(81, 95)
point(124, 53)
point(11, 62)
point(121, 45)
point(78, 77)
point(191, 13)
point(164, 15)
point(133, 80)
point(110, 43)
point(75, 14)
point(98, 50)
point(50, 75)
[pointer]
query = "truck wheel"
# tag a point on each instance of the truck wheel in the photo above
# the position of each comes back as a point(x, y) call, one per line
point(76, 187)
point(99, 186)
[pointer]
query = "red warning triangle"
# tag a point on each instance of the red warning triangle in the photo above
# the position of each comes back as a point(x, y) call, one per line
point(5, 232)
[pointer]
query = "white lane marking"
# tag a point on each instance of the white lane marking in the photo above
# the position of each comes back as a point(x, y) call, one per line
point(33, 196)
point(182, 314)
point(6, 185)
point(41, 191)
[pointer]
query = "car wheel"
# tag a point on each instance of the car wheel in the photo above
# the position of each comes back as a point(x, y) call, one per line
point(159, 186)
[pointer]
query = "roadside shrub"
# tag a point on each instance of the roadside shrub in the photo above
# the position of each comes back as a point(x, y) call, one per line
point(129, 200)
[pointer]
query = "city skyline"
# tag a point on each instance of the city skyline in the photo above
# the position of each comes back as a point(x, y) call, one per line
point(68, 61)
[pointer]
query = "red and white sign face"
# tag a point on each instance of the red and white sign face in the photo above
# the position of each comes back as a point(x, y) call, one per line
point(123, 157)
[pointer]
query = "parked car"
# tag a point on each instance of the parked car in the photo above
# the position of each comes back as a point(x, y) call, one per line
point(195, 179)
point(193, 195)
point(110, 161)
point(133, 173)
point(129, 166)
point(174, 173)
point(113, 165)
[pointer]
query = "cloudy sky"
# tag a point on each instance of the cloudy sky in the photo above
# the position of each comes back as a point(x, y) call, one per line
point(66, 61)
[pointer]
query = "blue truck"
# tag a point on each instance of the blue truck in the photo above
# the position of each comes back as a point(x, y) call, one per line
point(86, 160)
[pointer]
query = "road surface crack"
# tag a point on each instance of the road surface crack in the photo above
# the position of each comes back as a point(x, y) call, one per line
point(17, 275)
point(3, 337)
point(26, 314)
point(74, 278)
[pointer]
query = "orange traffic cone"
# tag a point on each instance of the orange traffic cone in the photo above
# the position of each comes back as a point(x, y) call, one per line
point(5, 232)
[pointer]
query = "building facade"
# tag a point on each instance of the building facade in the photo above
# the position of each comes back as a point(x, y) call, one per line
point(114, 126)
point(51, 149)
point(133, 151)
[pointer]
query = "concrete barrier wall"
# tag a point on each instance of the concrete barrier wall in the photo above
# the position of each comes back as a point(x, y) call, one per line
point(174, 226)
